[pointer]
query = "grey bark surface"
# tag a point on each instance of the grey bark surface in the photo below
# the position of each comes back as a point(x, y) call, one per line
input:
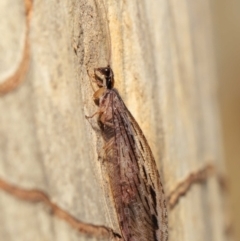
point(163, 60)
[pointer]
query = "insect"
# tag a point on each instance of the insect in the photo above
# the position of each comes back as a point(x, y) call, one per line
point(134, 179)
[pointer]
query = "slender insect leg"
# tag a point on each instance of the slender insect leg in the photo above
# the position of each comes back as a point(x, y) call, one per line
point(100, 112)
point(95, 80)
point(91, 116)
point(98, 79)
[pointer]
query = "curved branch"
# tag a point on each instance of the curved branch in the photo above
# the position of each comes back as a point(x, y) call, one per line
point(13, 81)
point(36, 196)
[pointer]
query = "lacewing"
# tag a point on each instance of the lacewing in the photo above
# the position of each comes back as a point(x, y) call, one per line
point(134, 179)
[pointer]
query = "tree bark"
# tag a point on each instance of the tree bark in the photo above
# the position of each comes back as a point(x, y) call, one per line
point(51, 184)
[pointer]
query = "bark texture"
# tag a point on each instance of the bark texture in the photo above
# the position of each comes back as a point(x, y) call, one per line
point(51, 187)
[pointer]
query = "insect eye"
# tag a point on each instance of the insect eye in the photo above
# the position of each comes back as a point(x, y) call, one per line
point(107, 71)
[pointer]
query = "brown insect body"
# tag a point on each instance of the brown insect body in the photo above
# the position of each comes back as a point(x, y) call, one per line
point(134, 179)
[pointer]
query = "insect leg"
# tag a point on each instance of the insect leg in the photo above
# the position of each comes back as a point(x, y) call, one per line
point(98, 79)
point(91, 116)
point(95, 79)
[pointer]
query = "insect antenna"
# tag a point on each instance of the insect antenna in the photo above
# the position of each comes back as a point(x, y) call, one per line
point(108, 36)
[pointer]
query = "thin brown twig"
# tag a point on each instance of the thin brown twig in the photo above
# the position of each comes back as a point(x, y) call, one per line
point(16, 78)
point(37, 196)
point(182, 187)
